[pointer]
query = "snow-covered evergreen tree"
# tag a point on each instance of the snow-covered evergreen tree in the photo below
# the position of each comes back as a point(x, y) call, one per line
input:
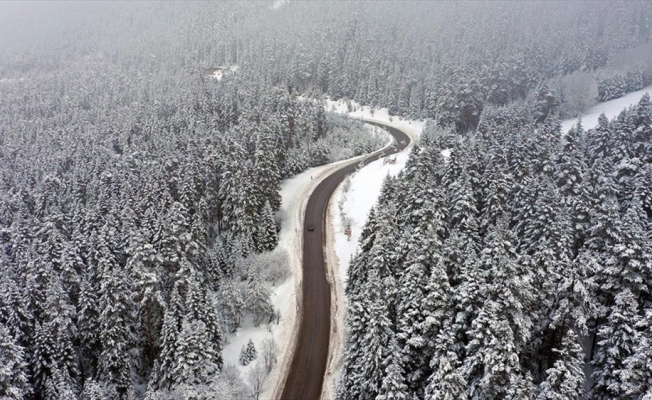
point(565, 380)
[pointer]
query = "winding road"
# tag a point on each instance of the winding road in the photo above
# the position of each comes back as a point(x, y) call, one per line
point(306, 374)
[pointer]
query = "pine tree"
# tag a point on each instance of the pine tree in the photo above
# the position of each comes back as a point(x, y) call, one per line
point(492, 355)
point(393, 386)
point(114, 366)
point(266, 235)
point(436, 307)
point(251, 350)
point(59, 386)
point(369, 334)
point(268, 179)
point(88, 325)
point(201, 308)
point(447, 381)
point(14, 375)
point(599, 140)
point(244, 356)
point(53, 344)
point(636, 373)
point(410, 322)
point(565, 380)
point(617, 340)
point(162, 373)
point(197, 361)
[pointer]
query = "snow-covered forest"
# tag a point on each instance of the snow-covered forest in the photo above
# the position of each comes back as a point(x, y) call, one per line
point(483, 274)
point(142, 148)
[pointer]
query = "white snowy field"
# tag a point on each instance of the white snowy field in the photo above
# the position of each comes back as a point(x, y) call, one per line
point(295, 193)
point(610, 108)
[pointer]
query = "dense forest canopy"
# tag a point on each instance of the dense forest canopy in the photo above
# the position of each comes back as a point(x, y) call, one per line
point(499, 271)
point(140, 195)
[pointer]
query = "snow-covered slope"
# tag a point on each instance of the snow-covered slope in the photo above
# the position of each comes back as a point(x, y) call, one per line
point(610, 108)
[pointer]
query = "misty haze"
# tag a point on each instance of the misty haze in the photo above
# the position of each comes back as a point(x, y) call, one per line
point(337, 200)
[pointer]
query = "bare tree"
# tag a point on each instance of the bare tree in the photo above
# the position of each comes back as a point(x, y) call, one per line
point(270, 351)
point(257, 377)
point(579, 92)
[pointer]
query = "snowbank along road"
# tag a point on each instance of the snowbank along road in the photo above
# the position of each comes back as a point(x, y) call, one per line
point(306, 374)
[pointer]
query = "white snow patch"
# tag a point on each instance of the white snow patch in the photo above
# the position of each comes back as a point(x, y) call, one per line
point(364, 190)
point(295, 193)
point(10, 80)
point(610, 108)
point(278, 3)
point(381, 115)
point(220, 72)
point(446, 153)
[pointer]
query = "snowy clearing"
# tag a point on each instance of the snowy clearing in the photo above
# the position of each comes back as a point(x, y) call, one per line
point(379, 115)
point(220, 72)
point(610, 108)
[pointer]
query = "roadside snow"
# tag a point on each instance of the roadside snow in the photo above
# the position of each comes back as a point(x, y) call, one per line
point(380, 115)
point(285, 297)
point(362, 194)
point(610, 108)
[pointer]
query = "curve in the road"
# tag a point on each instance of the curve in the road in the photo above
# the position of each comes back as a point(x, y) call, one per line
point(306, 375)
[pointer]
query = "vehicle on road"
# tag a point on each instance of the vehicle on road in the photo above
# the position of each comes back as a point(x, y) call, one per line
point(311, 227)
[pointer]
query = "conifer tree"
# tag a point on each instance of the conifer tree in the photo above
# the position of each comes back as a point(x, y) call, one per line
point(393, 386)
point(266, 235)
point(447, 381)
point(565, 380)
point(14, 374)
point(268, 180)
point(617, 340)
point(251, 350)
point(197, 362)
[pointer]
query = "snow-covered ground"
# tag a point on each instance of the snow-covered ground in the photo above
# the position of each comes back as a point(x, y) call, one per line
point(10, 80)
point(295, 193)
point(220, 72)
point(610, 108)
point(381, 115)
point(278, 3)
point(362, 194)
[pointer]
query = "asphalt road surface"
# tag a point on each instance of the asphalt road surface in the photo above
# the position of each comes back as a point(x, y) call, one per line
point(306, 375)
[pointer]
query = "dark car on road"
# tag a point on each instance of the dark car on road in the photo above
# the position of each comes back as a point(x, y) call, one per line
point(311, 227)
